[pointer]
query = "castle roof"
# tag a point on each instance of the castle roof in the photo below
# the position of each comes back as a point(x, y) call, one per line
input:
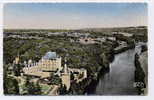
point(50, 55)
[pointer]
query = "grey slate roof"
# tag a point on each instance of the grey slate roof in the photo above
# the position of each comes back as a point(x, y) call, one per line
point(50, 55)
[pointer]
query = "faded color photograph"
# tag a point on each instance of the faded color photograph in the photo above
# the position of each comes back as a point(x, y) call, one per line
point(53, 49)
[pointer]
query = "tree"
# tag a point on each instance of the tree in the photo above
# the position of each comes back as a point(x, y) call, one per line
point(32, 88)
point(38, 89)
point(62, 89)
point(72, 76)
point(54, 79)
point(17, 69)
point(10, 86)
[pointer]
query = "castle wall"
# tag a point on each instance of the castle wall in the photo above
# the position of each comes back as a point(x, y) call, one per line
point(43, 65)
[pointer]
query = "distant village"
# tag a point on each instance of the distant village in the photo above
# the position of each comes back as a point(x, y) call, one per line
point(82, 38)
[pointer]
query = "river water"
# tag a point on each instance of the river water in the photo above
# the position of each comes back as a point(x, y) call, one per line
point(120, 79)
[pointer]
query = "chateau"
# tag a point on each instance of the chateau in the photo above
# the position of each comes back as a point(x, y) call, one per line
point(51, 62)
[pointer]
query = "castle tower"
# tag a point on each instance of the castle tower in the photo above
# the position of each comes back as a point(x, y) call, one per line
point(66, 77)
point(17, 59)
point(65, 68)
point(58, 63)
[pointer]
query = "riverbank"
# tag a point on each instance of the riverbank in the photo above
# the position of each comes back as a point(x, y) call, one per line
point(141, 80)
point(144, 64)
point(143, 59)
point(131, 46)
point(88, 85)
point(131, 57)
point(90, 89)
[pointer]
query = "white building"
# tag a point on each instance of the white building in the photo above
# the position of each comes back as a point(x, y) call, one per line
point(49, 62)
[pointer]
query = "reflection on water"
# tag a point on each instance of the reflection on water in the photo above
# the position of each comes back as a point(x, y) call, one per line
point(120, 79)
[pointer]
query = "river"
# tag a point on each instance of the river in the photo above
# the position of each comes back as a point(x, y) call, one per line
point(120, 78)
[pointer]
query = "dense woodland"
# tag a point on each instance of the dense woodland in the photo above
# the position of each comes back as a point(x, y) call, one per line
point(92, 57)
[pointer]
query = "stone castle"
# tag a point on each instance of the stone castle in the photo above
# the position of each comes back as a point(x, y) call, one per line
point(51, 62)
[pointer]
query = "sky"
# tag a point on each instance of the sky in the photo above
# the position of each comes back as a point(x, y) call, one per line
point(74, 15)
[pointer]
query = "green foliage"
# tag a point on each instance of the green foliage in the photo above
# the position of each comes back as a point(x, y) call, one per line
point(91, 57)
point(62, 90)
point(17, 68)
point(72, 76)
point(54, 79)
point(144, 48)
point(139, 74)
point(32, 88)
point(11, 86)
